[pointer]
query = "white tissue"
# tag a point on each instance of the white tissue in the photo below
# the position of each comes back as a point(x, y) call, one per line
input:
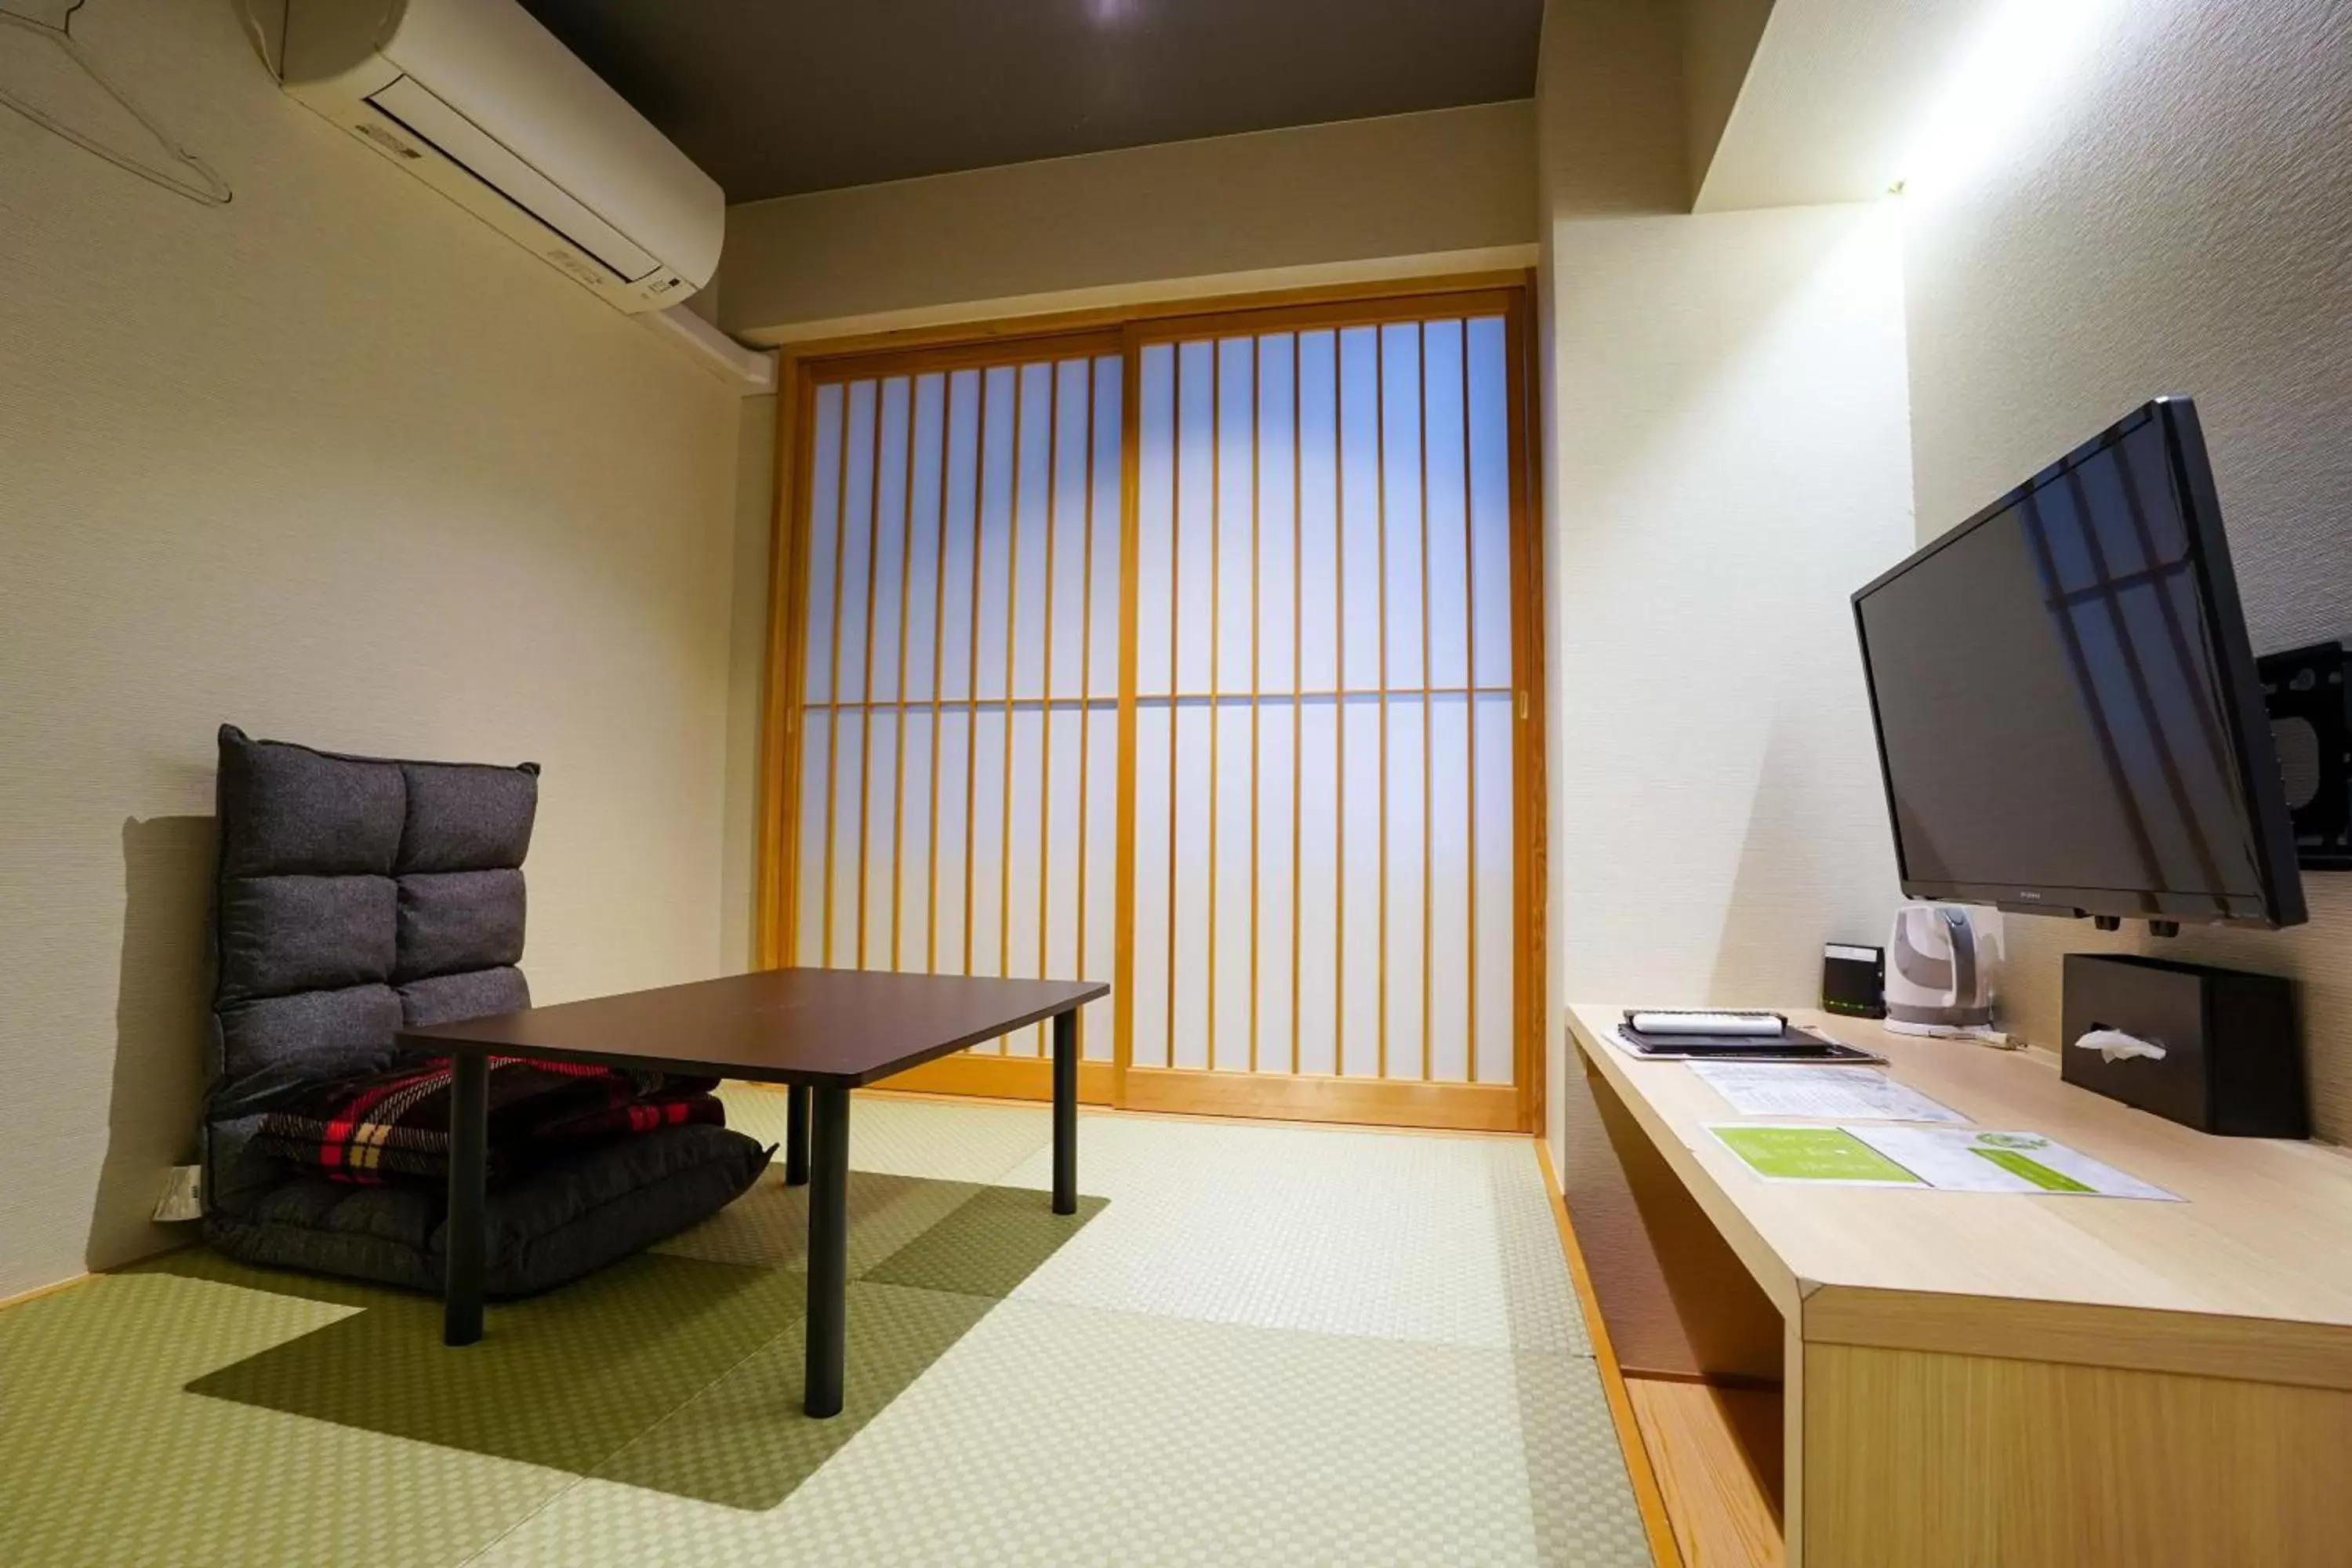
point(2115, 1046)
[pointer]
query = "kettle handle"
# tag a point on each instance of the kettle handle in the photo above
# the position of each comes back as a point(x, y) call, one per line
point(1964, 957)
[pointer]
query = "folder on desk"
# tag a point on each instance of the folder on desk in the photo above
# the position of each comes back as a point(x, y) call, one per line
point(1794, 1044)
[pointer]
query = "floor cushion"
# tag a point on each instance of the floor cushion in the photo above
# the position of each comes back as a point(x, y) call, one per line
point(544, 1227)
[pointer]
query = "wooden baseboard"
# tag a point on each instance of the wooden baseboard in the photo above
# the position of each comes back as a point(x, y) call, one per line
point(1437, 1108)
point(1656, 1524)
point(68, 1283)
point(37, 1292)
point(1000, 1077)
point(1374, 1102)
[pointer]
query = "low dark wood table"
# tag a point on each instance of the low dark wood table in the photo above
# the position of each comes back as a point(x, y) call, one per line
point(822, 1032)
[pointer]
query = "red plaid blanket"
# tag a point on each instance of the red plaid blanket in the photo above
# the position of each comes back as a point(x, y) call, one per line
point(396, 1123)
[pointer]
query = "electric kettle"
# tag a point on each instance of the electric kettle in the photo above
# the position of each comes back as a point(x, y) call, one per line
point(1940, 969)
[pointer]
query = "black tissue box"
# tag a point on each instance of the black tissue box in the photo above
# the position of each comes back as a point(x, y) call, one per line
point(2234, 1059)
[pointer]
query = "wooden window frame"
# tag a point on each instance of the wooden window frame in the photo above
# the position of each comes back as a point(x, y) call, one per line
point(1126, 330)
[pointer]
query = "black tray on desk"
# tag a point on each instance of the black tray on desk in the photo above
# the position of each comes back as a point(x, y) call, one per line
point(1792, 1044)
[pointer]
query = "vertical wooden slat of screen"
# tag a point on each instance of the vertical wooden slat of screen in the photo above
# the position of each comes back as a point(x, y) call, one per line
point(1216, 649)
point(905, 587)
point(795, 490)
point(939, 659)
point(832, 673)
point(865, 665)
point(1131, 507)
point(1175, 611)
point(1046, 702)
point(1527, 739)
point(1086, 669)
point(1011, 625)
point(1428, 688)
point(1257, 567)
point(972, 657)
point(1297, 673)
point(1470, 712)
point(1380, 518)
point(1340, 699)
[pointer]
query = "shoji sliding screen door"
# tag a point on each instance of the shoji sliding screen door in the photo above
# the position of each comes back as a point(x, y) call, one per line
point(958, 677)
point(1194, 655)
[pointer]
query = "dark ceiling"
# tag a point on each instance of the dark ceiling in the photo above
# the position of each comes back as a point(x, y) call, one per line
point(775, 96)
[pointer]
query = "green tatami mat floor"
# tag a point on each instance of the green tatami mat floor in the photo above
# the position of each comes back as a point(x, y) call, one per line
point(1254, 1344)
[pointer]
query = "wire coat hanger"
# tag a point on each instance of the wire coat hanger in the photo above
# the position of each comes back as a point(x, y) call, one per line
point(201, 183)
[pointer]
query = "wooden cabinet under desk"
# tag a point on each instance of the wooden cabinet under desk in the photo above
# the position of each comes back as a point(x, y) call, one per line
point(1980, 1379)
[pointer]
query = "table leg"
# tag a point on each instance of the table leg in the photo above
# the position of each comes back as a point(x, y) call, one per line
point(796, 1136)
point(462, 1239)
point(828, 1254)
point(1066, 1112)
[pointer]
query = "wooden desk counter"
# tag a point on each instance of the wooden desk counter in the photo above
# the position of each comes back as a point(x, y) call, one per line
point(1976, 1378)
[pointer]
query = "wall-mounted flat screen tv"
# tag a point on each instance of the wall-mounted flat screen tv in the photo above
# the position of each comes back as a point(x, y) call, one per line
point(2068, 719)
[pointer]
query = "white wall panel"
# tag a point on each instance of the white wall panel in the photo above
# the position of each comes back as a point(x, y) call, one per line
point(984, 845)
point(1021, 890)
point(1407, 914)
point(1451, 883)
point(1399, 533)
point(1359, 908)
point(925, 535)
point(1148, 1034)
point(857, 547)
point(1233, 605)
point(1099, 961)
point(1233, 880)
point(1445, 458)
point(1357, 569)
point(1155, 509)
point(1277, 804)
point(823, 542)
point(993, 581)
point(812, 831)
point(1195, 502)
point(1277, 511)
point(915, 839)
point(877, 845)
point(952, 762)
point(1103, 632)
point(1497, 933)
point(1062, 830)
point(892, 521)
point(1032, 505)
point(960, 549)
point(1065, 593)
point(839, 937)
point(1318, 886)
point(1319, 537)
point(1189, 902)
point(1490, 502)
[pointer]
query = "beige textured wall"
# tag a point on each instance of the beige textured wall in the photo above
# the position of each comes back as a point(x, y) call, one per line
point(339, 464)
point(1263, 210)
point(2178, 218)
point(1726, 460)
point(747, 676)
point(1719, 40)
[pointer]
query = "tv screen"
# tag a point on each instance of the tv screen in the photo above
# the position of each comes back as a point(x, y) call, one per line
point(2067, 715)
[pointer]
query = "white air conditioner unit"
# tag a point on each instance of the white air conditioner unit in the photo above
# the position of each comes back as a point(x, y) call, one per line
point(480, 102)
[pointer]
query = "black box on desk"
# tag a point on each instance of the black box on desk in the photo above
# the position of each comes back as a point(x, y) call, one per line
point(2233, 1061)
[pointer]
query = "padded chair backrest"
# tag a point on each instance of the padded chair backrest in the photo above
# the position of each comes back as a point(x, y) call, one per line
point(358, 894)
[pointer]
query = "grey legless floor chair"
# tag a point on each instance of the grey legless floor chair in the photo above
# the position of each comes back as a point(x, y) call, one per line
point(357, 895)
